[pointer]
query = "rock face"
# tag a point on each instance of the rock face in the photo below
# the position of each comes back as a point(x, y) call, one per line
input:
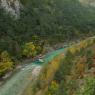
point(88, 2)
point(11, 6)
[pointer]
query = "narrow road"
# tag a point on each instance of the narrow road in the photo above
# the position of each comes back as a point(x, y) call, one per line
point(19, 81)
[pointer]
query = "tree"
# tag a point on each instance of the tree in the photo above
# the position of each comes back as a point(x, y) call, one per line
point(52, 88)
point(29, 50)
point(6, 63)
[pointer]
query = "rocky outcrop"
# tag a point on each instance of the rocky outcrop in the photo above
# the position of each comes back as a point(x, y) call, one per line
point(88, 2)
point(11, 6)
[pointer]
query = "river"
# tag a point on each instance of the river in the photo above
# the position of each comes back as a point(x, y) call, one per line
point(19, 81)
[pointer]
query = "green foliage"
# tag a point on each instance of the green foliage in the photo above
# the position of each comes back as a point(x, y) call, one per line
point(51, 20)
point(88, 88)
point(29, 50)
point(89, 55)
point(6, 64)
point(52, 88)
point(24, 2)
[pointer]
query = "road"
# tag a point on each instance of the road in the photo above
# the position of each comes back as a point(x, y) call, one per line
point(19, 81)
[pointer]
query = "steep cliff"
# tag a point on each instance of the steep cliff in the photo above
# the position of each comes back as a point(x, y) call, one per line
point(11, 6)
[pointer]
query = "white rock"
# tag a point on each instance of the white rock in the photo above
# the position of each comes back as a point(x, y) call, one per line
point(11, 6)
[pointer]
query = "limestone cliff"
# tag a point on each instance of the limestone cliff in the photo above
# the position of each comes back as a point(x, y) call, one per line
point(11, 6)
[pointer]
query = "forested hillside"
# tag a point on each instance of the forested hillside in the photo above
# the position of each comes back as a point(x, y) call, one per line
point(52, 21)
point(43, 22)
